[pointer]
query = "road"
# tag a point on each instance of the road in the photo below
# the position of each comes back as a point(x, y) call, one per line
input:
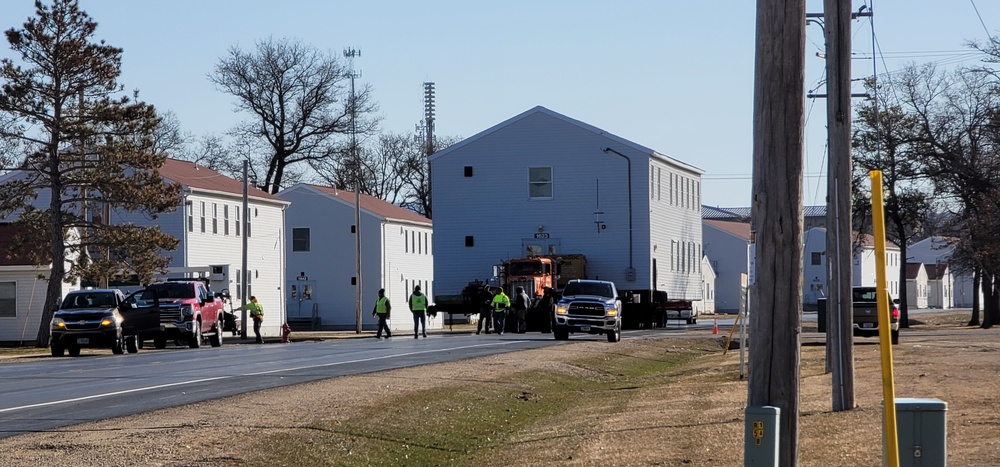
point(44, 393)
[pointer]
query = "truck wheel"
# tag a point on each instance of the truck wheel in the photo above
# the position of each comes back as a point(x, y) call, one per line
point(195, 341)
point(131, 345)
point(160, 342)
point(216, 339)
point(615, 335)
point(895, 337)
point(57, 349)
point(118, 347)
point(74, 351)
point(560, 333)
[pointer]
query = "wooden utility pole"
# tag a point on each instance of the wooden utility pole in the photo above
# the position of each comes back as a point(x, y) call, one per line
point(776, 216)
point(839, 317)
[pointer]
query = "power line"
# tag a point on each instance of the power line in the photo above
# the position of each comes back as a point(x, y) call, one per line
point(988, 35)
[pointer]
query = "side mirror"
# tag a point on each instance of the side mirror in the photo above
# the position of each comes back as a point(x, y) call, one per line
point(124, 306)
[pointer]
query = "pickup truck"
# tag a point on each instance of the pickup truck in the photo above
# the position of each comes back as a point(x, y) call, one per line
point(188, 312)
point(865, 311)
point(588, 306)
point(95, 318)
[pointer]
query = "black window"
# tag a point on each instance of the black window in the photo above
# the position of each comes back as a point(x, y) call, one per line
point(300, 239)
point(469, 241)
point(817, 258)
point(8, 299)
point(468, 171)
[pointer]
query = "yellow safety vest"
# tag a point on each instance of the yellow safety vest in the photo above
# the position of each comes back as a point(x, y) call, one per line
point(501, 301)
point(380, 305)
point(418, 302)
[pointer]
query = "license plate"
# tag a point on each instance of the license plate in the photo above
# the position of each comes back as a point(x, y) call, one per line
point(585, 328)
point(82, 340)
point(867, 325)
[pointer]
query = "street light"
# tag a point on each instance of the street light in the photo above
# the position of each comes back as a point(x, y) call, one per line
point(630, 272)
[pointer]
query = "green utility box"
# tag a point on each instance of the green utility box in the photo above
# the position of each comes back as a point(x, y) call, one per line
point(921, 432)
point(760, 437)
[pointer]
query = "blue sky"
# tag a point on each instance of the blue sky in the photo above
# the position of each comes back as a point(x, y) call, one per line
point(670, 75)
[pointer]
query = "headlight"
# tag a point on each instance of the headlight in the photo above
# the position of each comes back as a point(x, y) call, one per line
point(561, 309)
point(611, 311)
point(187, 311)
point(58, 323)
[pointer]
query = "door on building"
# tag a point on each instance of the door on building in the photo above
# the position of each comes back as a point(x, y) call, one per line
point(539, 246)
point(301, 298)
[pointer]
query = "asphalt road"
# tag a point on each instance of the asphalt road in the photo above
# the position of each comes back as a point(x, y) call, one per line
point(43, 393)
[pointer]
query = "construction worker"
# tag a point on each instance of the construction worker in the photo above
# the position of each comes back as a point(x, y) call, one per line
point(382, 310)
point(418, 306)
point(485, 310)
point(501, 302)
point(521, 302)
point(256, 312)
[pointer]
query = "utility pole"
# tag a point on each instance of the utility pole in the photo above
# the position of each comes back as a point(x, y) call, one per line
point(776, 217)
point(839, 317)
point(350, 53)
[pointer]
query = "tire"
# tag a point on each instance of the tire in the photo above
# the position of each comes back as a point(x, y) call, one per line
point(118, 347)
point(160, 342)
point(615, 335)
point(690, 321)
point(73, 350)
point(560, 333)
point(216, 339)
point(895, 337)
point(194, 341)
point(57, 349)
point(132, 344)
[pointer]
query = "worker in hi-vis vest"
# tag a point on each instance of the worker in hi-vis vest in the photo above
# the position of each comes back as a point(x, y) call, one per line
point(418, 306)
point(382, 310)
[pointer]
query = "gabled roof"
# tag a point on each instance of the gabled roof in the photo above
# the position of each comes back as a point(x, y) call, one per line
point(913, 269)
point(868, 240)
point(737, 229)
point(715, 212)
point(192, 175)
point(542, 110)
point(935, 271)
point(710, 212)
point(375, 206)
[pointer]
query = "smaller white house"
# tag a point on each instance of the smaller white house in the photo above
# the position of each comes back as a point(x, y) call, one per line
point(863, 270)
point(22, 293)
point(916, 285)
point(940, 286)
point(938, 251)
point(707, 303)
point(726, 244)
point(321, 276)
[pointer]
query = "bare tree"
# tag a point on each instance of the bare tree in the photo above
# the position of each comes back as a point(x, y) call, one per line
point(301, 105)
point(84, 145)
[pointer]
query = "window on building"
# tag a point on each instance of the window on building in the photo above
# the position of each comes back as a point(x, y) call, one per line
point(817, 258)
point(469, 241)
point(539, 182)
point(406, 242)
point(652, 185)
point(300, 239)
point(427, 241)
point(225, 219)
point(190, 210)
point(247, 233)
point(8, 299)
point(215, 218)
point(202, 217)
point(659, 178)
point(238, 224)
point(468, 171)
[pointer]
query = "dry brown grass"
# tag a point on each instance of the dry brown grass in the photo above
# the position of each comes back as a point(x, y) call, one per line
point(691, 416)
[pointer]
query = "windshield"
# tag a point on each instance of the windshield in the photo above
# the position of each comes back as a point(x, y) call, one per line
point(89, 300)
point(589, 288)
point(864, 295)
point(525, 268)
point(172, 290)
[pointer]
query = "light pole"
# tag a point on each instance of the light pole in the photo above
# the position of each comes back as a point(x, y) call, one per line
point(630, 272)
point(350, 53)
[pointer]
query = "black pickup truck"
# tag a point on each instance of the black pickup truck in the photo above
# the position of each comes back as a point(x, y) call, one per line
point(866, 313)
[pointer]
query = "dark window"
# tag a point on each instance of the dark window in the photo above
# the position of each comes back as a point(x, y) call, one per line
point(468, 171)
point(817, 258)
point(354, 281)
point(300, 239)
point(353, 229)
point(469, 241)
point(8, 299)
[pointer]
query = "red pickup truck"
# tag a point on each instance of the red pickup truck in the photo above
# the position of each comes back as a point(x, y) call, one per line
point(188, 312)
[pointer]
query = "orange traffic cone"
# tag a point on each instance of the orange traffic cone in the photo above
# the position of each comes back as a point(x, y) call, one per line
point(715, 327)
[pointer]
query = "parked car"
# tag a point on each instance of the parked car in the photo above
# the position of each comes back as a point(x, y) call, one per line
point(865, 312)
point(93, 318)
point(187, 312)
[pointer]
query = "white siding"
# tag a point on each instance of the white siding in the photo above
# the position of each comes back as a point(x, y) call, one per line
point(30, 301)
point(676, 232)
point(728, 255)
point(589, 190)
